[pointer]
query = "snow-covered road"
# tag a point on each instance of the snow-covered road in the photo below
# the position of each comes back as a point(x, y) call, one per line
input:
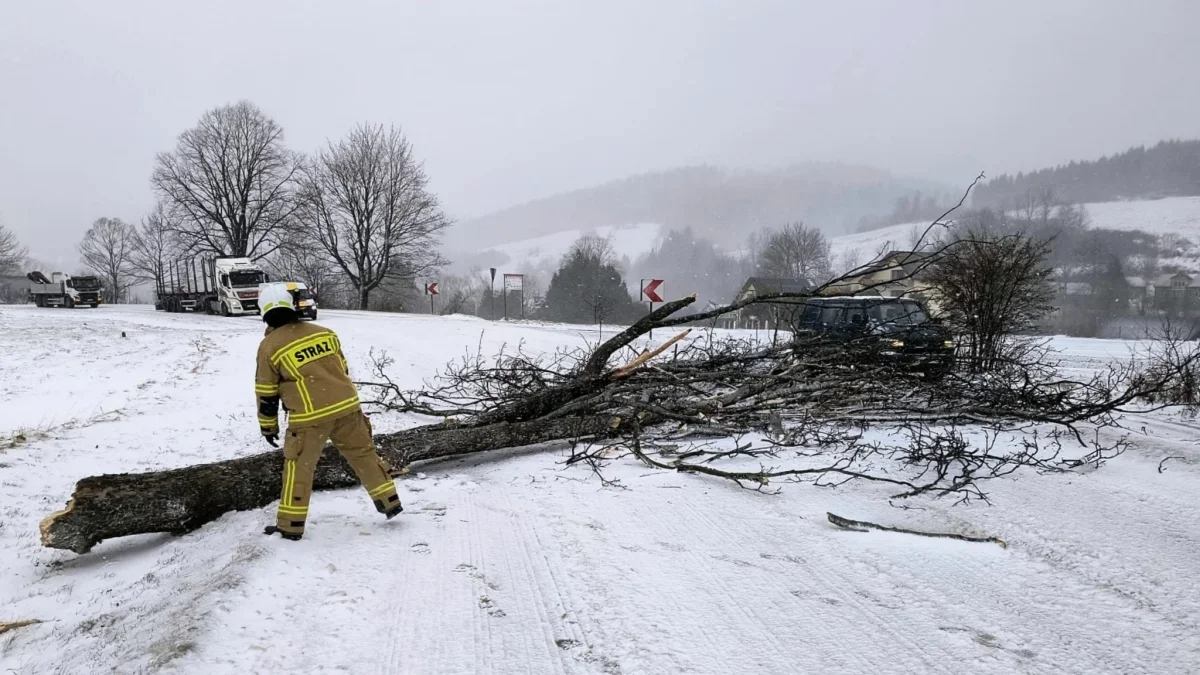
point(524, 566)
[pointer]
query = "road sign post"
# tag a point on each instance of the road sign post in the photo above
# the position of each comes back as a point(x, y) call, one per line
point(651, 292)
point(492, 296)
point(431, 289)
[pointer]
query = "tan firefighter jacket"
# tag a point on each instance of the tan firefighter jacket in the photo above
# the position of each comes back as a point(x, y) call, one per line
point(302, 365)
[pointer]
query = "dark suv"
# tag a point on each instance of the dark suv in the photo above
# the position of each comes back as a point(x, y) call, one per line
point(887, 330)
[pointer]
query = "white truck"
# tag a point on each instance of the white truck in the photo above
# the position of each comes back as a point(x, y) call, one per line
point(64, 290)
point(225, 286)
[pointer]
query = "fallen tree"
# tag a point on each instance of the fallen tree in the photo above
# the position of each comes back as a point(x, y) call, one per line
point(752, 413)
point(811, 405)
point(181, 500)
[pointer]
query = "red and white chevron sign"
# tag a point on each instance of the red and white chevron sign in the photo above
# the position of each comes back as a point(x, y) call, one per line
point(431, 288)
point(650, 289)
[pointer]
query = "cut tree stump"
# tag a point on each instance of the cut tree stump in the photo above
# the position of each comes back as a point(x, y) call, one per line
point(181, 500)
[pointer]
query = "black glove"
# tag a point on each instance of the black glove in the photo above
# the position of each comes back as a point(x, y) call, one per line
point(272, 439)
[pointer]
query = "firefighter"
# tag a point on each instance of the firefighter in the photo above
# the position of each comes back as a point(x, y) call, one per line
point(301, 365)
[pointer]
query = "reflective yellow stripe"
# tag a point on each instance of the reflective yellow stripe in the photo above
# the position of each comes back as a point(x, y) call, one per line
point(386, 487)
point(269, 422)
point(282, 351)
point(293, 510)
point(326, 411)
point(304, 397)
point(289, 480)
point(266, 389)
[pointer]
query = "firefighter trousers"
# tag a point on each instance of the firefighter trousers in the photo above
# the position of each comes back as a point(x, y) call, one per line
point(302, 447)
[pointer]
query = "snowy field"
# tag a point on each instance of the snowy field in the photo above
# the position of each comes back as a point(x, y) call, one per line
point(521, 565)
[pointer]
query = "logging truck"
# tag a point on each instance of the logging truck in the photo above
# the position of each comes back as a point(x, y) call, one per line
point(64, 290)
point(225, 286)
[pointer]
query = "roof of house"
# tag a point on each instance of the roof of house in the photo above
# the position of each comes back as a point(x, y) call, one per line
point(894, 260)
point(1168, 280)
point(1076, 288)
point(774, 285)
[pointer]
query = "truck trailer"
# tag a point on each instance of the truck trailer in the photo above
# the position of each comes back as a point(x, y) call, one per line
point(225, 286)
point(64, 290)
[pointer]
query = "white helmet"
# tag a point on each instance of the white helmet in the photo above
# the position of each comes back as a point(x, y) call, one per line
point(274, 296)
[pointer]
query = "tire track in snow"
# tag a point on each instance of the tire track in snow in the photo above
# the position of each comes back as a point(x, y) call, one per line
point(1048, 623)
point(559, 604)
point(535, 580)
point(748, 532)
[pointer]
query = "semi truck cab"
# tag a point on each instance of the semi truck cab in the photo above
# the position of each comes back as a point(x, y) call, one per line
point(237, 281)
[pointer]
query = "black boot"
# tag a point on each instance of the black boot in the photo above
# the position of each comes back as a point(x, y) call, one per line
point(391, 509)
point(290, 536)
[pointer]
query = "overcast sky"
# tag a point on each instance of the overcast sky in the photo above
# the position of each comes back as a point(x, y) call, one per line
point(510, 101)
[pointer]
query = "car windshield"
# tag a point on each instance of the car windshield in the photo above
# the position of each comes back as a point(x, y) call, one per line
point(301, 294)
point(242, 279)
point(898, 313)
point(85, 283)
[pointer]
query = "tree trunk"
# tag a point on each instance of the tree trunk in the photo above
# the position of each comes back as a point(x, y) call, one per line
point(182, 500)
point(364, 296)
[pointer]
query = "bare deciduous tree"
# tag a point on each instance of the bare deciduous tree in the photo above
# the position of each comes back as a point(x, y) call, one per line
point(850, 260)
point(229, 179)
point(992, 287)
point(796, 252)
point(463, 294)
point(1037, 205)
point(108, 250)
point(153, 245)
point(297, 259)
point(12, 253)
point(367, 201)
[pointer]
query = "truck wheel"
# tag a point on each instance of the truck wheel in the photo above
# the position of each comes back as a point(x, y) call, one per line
point(69, 302)
point(313, 315)
point(224, 309)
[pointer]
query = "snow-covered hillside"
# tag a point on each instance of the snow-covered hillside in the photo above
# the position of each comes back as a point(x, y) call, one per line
point(1175, 215)
point(520, 564)
point(628, 241)
point(1178, 215)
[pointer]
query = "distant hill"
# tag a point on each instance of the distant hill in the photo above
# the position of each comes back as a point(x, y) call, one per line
point(724, 205)
point(1169, 169)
